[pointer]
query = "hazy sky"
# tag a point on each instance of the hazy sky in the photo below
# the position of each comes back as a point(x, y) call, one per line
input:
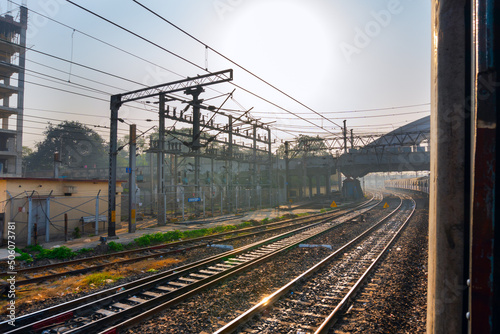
point(331, 55)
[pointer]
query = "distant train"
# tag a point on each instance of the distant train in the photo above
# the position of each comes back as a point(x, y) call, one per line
point(417, 184)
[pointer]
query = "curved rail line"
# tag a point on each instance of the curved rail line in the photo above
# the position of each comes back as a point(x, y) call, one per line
point(336, 279)
point(141, 299)
point(162, 250)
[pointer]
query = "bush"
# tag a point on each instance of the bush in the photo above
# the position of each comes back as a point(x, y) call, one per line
point(61, 253)
point(24, 256)
point(172, 236)
point(34, 248)
point(156, 238)
point(76, 233)
point(84, 250)
point(143, 240)
point(115, 246)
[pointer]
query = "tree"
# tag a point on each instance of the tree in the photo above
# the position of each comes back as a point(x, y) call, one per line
point(27, 151)
point(77, 144)
point(305, 146)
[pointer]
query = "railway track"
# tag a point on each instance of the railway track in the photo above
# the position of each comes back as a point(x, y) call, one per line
point(141, 299)
point(80, 266)
point(314, 301)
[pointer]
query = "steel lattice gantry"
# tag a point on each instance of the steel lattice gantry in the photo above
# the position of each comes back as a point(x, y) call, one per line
point(159, 90)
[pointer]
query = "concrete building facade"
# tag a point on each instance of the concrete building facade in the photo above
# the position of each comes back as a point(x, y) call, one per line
point(12, 68)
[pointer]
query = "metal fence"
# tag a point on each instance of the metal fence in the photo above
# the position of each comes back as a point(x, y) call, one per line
point(52, 218)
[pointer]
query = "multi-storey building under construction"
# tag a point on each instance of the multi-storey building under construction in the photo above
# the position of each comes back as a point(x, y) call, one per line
point(12, 66)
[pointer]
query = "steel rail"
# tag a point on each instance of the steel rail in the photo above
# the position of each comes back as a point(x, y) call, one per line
point(342, 306)
point(66, 313)
point(231, 326)
point(144, 315)
point(155, 248)
point(66, 310)
point(48, 314)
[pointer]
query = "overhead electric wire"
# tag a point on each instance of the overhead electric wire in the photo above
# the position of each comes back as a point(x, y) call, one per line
point(361, 110)
point(68, 125)
point(100, 40)
point(117, 48)
point(233, 62)
point(74, 75)
point(194, 64)
point(66, 83)
point(356, 117)
point(69, 61)
point(132, 33)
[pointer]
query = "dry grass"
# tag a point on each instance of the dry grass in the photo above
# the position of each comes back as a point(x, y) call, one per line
point(75, 284)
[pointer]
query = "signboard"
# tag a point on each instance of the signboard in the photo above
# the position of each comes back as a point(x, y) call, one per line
point(194, 199)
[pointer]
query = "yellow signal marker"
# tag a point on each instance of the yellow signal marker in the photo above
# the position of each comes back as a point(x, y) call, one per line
point(386, 205)
point(333, 205)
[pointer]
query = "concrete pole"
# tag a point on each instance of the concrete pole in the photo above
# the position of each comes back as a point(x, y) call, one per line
point(176, 171)
point(287, 170)
point(182, 193)
point(345, 136)
point(162, 210)
point(30, 220)
point(131, 180)
point(113, 151)
point(229, 165)
point(449, 71)
point(254, 173)
point(270, 174)
point(47, 219)
point(151, 176)
point(97, 213)
point(212, 185)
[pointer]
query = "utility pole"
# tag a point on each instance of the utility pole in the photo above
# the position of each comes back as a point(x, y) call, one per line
point(151, 183)
point(162, 210)
point(131, 180)
point(345, 137)
point(352, 139)
point(286, 171)
point(113, 151)
point(212, 184)
point(176, 183)
point(229, 169)
point(253, 192)
point(270, 157)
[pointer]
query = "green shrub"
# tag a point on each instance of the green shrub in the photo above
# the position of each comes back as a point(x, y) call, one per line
point(172, 236)
point(76, 233)
point(84, 250)
point(24, 256)
point(34, 248)
point(156, 237)
point(143, 240)
point(115, 246)
point(61, 253)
